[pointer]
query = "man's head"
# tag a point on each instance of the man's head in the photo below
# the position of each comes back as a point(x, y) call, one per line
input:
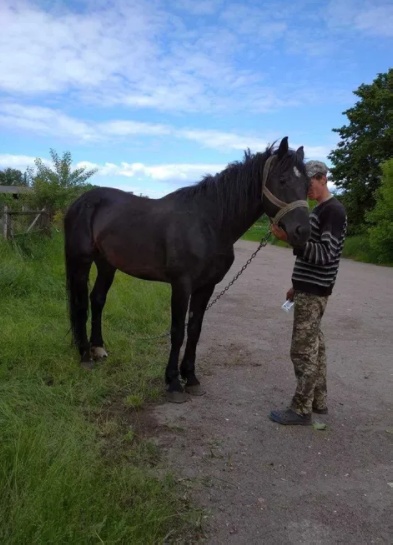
point(317, 172)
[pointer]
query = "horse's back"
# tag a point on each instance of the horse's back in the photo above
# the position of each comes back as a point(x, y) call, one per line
point(107, 196)
point(133, 233)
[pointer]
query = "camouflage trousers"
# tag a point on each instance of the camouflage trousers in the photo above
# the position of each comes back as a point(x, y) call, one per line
point(308, 353)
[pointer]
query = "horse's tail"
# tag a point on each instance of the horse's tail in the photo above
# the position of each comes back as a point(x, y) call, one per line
point(78, 249)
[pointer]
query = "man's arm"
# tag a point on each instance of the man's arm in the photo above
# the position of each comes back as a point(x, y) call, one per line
point(332, 226)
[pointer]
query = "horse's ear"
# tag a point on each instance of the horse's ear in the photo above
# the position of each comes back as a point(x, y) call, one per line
point(283, 148)
point(300, 154)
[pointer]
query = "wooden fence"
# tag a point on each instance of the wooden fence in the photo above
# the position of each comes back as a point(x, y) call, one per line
point(15, 223)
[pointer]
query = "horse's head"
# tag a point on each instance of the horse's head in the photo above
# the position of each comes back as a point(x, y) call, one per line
point(285, 192)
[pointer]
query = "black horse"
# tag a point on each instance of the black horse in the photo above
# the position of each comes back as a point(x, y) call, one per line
point(185, 238)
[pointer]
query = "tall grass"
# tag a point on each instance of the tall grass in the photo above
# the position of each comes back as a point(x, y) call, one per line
point(73, 467)
point(359, 248)
point(258, 230)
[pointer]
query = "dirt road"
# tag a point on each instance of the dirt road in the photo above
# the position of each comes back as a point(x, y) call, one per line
point(262, 483)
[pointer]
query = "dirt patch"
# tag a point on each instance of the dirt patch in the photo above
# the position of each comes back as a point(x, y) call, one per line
point(262, 483)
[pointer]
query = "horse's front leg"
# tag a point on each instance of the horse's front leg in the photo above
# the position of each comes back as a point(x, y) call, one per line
point(198, 304)
point(181, 292)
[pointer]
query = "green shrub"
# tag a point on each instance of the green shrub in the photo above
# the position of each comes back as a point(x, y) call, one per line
point(381, 217)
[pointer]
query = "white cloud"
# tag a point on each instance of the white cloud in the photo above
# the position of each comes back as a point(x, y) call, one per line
point(223, 140)
point(43, 51)
point(374, 18)
point(49, 121)
point(115, 55)
point(129, 128)
point(317, 152)
point(203, 7)
point(19, 162)
point(45, 121)
point(259, 22)
point(136, 54)
point(176, 172)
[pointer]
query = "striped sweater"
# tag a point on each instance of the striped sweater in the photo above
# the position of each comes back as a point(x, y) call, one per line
point(317, 261)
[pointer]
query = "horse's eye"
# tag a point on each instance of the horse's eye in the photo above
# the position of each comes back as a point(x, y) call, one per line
point(283, 181)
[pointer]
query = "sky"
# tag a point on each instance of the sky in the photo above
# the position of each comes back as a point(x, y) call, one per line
point(158, 93)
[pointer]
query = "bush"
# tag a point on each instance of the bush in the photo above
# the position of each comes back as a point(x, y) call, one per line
point(381, 217)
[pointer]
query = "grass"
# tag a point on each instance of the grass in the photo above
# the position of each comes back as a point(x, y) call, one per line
point(259, 230)
point(358, 248)
point(73, 468)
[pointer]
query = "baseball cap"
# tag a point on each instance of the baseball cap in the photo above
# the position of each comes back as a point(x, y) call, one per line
point(315, 167)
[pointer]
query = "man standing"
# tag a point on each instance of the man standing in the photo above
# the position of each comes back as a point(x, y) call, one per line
point(313, 278)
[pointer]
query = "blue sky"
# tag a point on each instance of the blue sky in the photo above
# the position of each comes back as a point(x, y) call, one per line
point(158, 93)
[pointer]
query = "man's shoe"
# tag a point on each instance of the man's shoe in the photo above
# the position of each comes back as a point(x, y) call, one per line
point(320, 411)
point(290, 418)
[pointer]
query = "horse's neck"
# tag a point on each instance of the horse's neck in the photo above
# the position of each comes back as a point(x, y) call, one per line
point(234, 227)
point(238, 219)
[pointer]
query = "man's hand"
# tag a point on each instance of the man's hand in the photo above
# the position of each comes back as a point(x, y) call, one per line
point(290, 294)
point(278, 232)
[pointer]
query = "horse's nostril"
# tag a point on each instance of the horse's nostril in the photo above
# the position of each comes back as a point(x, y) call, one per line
point(301, 230)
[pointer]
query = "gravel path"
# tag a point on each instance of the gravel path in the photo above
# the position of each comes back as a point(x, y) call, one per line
point(262, 483)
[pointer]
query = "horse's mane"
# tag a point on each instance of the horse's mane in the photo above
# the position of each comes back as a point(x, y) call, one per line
point(233, 187)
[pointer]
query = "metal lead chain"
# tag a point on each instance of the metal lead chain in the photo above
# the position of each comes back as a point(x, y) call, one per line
point(262, 244)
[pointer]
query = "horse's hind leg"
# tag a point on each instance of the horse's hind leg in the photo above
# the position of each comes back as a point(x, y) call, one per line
point(198, 304)
point(105, 276)
point(77, 279)
point(179, 304)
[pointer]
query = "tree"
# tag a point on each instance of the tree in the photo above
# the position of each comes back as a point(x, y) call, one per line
point(55, 187)
point(366, 142)
point(62, 174)
point(381, 217)
point(12, 176)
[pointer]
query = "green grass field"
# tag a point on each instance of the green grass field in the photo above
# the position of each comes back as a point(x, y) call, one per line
point(74, 465)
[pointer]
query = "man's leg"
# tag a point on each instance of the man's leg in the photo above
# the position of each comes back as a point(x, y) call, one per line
point(320, 392)
point(309, 310)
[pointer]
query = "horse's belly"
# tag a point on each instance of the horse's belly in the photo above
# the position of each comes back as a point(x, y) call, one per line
point(143, 266)
point(144, 272)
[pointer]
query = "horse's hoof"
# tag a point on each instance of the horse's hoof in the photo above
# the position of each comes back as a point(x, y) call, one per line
point(176, 397)
point(88, 365)
point(195, 390)
point(98, 352)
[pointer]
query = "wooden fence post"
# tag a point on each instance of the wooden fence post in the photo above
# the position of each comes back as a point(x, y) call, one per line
point(6, 222)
